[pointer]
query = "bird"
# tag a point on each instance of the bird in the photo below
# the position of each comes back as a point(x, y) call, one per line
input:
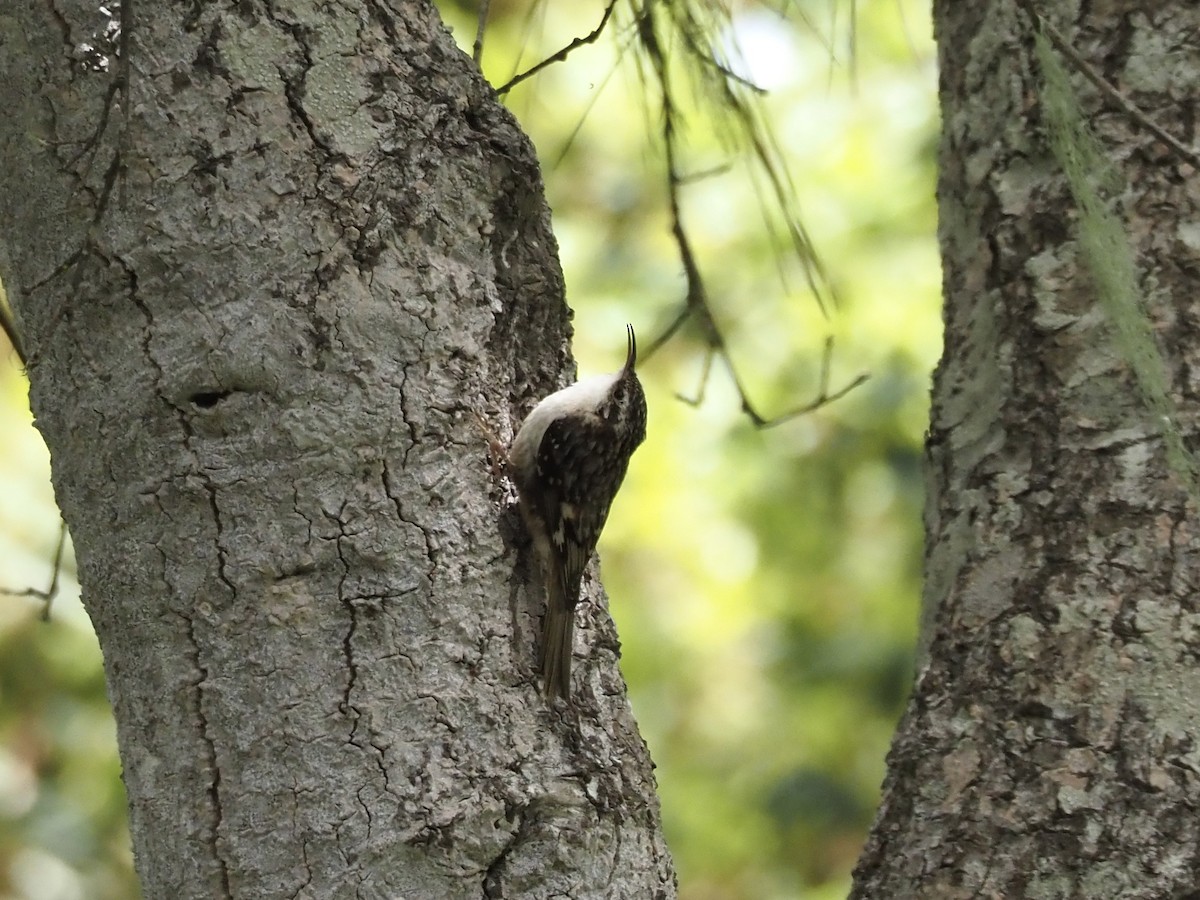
point(567, 461)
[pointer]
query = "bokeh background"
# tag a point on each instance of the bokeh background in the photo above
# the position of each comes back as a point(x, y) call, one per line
point(765, 582)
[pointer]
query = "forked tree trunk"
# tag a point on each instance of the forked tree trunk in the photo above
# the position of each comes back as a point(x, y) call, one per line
point(260, 306)
point(1050, 749)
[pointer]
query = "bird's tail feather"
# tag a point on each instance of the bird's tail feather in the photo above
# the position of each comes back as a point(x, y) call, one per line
point(558, 631)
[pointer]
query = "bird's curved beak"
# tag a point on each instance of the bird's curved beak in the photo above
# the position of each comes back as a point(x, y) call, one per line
point(631, 357)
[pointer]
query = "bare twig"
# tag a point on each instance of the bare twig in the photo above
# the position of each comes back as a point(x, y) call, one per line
point(696, 304)
point(46, 596)
point(706, 58)
point(1185, 152)
point(570, 141)
point(563, 53)
point(705, 371)
point(481, 24)
point(714, 172)
point(823, 397)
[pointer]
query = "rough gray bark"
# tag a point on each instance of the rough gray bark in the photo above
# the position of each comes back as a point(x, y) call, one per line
point(1050, 748)
point(259, 312)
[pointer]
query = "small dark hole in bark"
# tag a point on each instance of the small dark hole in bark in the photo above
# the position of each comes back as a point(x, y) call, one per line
point(1032, 709)
point(208, 399)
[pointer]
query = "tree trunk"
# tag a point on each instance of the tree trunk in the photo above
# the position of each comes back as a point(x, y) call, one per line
point(260, 305)
point(1050, 748)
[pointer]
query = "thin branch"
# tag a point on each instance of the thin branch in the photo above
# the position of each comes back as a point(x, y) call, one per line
point(1188, 154)
point(46, 596)
point(684, 314)
point(730, 96)
point(705, 371)
point(706, 58)
point(696, 304)
point(481, 24)
point(765, 150)
point(823, 398)
point(570, 141)
point(704, 174)
point(564, 52)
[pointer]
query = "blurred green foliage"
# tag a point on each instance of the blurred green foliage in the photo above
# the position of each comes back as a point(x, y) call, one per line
point(765, 582)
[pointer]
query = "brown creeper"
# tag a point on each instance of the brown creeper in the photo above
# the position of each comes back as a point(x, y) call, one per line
point(567, 461)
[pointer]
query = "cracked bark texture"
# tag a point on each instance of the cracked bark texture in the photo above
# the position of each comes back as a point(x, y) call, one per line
point(1050, 747)
point(259, 310)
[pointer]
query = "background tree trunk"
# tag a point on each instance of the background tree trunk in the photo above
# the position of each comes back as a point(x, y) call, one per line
point(1050, 746)
point(259, 306)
